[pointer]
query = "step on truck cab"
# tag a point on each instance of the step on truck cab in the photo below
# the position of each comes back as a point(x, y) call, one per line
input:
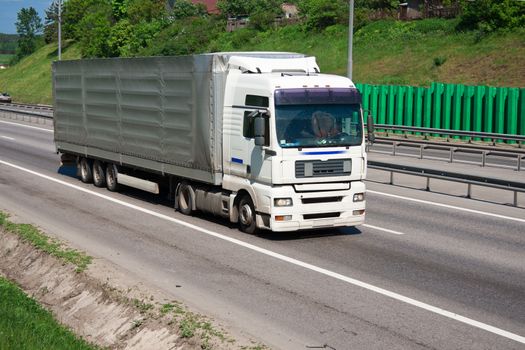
point(260, 138)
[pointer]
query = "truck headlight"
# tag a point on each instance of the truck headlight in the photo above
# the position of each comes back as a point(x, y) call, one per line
point(359, 197)
point(283, 202)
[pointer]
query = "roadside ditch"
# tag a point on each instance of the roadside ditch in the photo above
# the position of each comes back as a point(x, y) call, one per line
point(100, 303)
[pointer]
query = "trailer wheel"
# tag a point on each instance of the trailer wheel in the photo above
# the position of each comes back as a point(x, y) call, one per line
point(111, 177)
point(247, 220)
point(86, 172)
point(185, 198)
point(99, 175)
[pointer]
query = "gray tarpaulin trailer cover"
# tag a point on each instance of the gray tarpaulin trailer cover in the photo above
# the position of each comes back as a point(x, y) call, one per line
point(157, 113)
point(162, 114)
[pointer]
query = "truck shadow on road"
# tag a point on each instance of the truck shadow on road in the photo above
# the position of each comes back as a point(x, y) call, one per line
point(309, 234)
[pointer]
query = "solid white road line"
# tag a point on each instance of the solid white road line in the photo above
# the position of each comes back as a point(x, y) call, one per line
point(7, 138)
point(447, 206)
point(383, 229)
point(26, 126)
point(287, 259)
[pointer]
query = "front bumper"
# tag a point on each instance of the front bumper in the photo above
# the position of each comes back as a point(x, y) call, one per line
point(312, 209)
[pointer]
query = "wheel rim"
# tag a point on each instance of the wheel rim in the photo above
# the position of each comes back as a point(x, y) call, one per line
point(184, 198)
point(99, 174)
point(96, 174)
point(246, 214)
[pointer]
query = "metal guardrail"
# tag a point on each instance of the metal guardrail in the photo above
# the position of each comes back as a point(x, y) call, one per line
point(7, 108)
point(453, 149)
point(470, 180)
point(28, 106)
point(470, 134)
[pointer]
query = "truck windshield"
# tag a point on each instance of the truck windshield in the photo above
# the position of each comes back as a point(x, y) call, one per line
point(318, 125)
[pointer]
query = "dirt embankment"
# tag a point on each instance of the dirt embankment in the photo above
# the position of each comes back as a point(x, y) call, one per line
point(105, 306)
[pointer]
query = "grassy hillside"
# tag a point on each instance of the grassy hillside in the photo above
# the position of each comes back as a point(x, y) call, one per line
point(30, 79)
point(407, 53)
point(385, 52)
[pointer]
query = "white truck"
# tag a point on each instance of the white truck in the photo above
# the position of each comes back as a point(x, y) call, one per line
point(260, 138)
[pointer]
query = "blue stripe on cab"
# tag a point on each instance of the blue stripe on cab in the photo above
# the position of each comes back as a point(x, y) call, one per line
point(323, 152)
point(237, 160)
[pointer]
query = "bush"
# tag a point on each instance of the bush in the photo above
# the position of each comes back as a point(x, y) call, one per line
point(262, 21)
point(323, 13)
point(185, 8)
point(439, 61)
point(492, 15)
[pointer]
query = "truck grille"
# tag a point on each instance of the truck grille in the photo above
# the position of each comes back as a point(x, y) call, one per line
point(319, 168)
point(321, 200)
point(321, 216)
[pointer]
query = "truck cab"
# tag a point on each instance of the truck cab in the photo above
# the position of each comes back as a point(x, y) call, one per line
point(293, 146)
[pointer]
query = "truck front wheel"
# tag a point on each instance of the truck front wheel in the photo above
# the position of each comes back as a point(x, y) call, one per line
point(247, 219)
point(99, 175)
point(86, 172)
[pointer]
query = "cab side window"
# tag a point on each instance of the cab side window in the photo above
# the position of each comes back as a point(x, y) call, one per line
point(257, 101)
point(252, 101)
point(248, 130)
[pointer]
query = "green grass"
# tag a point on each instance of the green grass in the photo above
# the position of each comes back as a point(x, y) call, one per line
point(30, 80)
point(34, 236)
point(5, 58)
point(404, 53)
point(24, 324)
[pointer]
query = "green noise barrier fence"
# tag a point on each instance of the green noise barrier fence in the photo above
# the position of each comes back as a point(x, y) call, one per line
point(448, 106)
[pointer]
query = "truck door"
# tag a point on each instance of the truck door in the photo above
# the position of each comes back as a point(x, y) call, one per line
point(248, 160)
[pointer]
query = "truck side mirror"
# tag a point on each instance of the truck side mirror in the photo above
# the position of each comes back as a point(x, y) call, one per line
point(370, 129)
point(259, 130)
point(260, 126)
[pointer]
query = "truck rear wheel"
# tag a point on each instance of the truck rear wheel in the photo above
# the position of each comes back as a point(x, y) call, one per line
point(185, 198)
point(99, 175)
point(247, 219)
point(86, 172)
point(111, 177)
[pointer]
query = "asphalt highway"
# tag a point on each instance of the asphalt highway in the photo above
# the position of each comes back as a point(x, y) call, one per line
point(427, 271)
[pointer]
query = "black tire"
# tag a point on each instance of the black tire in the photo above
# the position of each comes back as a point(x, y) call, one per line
point(247, 218)
point(85, 170)
point(111, 177)
point(185, 199)
point(99, 175)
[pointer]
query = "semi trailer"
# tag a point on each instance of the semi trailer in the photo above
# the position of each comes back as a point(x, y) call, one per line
point(262, 139)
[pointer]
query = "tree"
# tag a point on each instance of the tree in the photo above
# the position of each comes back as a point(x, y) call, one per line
point(378, 4)
point(28, 25)
point(491, 15)
point(249, 7)
point(323, 13)
point(51, 23)
point(146, 10)
point(94, 31)
point(185, 8)
point(75, 10)
point(236, 7)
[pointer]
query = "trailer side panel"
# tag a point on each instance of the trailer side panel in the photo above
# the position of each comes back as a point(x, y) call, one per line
point(156, 113)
